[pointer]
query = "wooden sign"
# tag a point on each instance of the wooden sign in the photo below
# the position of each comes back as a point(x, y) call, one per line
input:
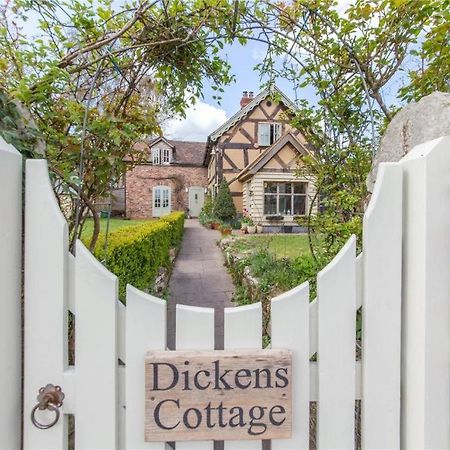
point(218, 395)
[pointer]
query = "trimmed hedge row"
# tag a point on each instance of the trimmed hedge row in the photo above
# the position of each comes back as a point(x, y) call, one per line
point(135, 253)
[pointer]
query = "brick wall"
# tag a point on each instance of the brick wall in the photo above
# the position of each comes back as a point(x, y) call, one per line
point(142, 178)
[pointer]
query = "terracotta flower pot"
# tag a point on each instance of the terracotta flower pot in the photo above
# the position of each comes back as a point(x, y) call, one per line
point(226, 231)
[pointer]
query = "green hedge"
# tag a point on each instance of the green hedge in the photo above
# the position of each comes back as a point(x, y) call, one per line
point(135, 253)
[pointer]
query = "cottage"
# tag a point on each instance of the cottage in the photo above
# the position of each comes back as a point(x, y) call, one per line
point(172, 177)
point(257, 151)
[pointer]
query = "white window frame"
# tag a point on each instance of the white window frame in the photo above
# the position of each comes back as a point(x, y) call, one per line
point(165, 156)
point(268, 133)
point(291, 194)
point(156, 156)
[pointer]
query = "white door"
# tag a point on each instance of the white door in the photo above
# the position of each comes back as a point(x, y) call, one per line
point(161, 201)
point(196, 200)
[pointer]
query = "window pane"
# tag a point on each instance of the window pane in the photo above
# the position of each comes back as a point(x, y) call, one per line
point(285, 204)
point(156, 156)
point(299, 205)
point(264, 134)
point(165, 202)
point(270, 204)
point(284, 188)
point(300, 188)
point(277, 131)
point(270, 188)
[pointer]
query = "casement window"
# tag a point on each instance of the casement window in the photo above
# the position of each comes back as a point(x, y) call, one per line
point(268, 133)
point(156, 156)
point(165, 156)
point(285, 199)
point(161, 156)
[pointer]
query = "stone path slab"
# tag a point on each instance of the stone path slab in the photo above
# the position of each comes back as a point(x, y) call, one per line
point(199, 278)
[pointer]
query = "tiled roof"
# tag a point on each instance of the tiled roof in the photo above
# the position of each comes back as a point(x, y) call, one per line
point(185, 152)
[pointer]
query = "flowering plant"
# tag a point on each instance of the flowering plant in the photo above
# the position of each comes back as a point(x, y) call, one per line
point(246, 217)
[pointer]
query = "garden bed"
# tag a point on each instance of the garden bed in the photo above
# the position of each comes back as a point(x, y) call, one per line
point(261, 269)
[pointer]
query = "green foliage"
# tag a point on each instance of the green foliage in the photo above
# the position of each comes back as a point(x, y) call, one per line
point(224, 208)
point(208, 206)
point(432, 73)
point(351, 61)
point(135, 253)
point(14, 129)
point(110, 72)
point(274, 275)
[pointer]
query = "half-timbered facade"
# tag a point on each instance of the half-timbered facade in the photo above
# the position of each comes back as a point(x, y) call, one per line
point(257, 151)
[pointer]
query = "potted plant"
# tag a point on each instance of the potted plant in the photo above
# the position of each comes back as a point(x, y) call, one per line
point(225, 229)
point(251, 227)
point(259, 228)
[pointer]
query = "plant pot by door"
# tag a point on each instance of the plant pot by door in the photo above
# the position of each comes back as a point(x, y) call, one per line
point(259, 229)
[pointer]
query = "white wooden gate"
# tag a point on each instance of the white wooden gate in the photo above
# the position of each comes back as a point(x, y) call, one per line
point(401, 280)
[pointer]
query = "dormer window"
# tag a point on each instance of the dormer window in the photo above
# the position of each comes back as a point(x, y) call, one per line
point(161, 156)
point(268, 133)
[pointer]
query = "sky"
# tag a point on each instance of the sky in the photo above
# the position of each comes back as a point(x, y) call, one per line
point(207, 115)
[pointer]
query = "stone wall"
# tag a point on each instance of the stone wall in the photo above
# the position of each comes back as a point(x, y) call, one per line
point(142, 178)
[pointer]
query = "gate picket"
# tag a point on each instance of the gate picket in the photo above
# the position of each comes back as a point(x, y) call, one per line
point(45, 290)
point(243, 329)
point(382, 241)
point(194, 331)
point(290, 329)
point(10, 301)
point(425, 297)
point(96, 353)
point(145, 330)
point(336, 302)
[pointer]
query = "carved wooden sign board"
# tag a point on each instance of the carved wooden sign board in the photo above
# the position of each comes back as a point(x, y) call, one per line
point(218, 395)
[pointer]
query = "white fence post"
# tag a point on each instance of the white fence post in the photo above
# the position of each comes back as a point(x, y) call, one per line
point(425, 337)
point(146, 320)
point(336, 302)
point(381, 312)
point(194, 331)
point(96, 357)
point(10, 299)
point(46, 275)
point(290, 329)
point(243, 329)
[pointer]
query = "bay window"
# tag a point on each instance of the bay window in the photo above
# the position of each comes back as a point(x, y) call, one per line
point(285, 198)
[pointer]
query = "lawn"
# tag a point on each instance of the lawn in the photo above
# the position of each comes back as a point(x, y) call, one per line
point(279, 245)
point(114, 224)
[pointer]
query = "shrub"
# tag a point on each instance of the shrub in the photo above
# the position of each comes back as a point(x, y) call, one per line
point(208, 206)
point(224, 208)
point(135, 253)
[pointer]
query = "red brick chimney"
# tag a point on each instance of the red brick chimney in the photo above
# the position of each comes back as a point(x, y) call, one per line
point(247, 97)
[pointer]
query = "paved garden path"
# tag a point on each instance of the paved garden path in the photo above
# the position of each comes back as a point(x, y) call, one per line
point(199, 278)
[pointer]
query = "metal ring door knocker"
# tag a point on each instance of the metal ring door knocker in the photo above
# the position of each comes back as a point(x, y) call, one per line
point(50, 397)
